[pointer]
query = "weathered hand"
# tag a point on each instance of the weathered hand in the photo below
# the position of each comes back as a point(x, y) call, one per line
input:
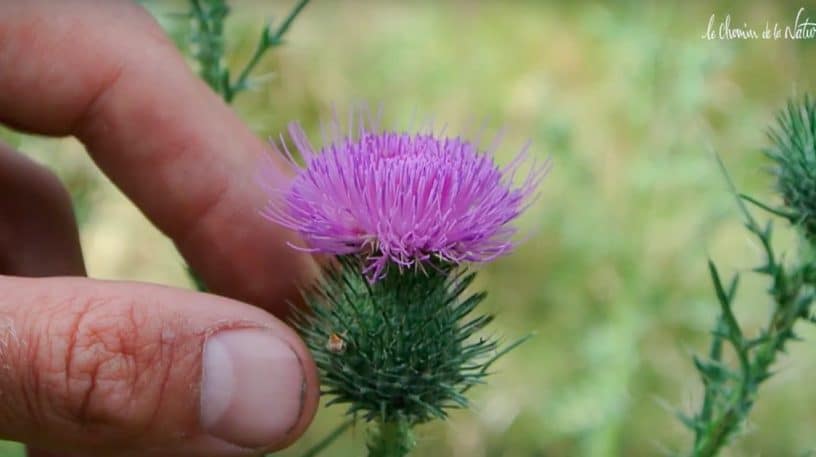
point(115, 368)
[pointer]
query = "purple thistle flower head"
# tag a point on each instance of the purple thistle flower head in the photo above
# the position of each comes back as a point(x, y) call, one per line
point(401, 198)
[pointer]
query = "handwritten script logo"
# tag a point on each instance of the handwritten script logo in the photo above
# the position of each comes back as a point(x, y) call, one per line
point(801, 29)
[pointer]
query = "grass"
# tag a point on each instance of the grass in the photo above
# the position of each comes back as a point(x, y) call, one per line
point(629, 102)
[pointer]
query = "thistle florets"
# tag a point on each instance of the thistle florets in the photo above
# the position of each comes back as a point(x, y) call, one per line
point(401, 199)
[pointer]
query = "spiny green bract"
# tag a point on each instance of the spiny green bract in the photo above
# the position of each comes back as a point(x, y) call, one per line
point(400, 349)
point(794, 152)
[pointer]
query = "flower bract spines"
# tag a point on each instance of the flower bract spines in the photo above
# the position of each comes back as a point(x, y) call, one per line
point(410, 351)
point(793, 152)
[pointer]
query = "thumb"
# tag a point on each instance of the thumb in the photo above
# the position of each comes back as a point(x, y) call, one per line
point(104, 368)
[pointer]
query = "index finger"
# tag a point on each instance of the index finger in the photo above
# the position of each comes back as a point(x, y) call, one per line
point(106, 73)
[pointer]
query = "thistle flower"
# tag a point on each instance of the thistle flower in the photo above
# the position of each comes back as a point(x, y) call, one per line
point(390, 323)
point(402, 198)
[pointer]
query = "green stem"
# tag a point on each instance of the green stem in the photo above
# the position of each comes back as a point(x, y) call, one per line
point(715, 354)
point(391, 439)
point(267, 41)
point(233, 89)
point(716, 434)
point(288, 21)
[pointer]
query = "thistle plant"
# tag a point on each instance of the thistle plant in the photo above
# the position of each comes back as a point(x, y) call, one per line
point(391, 322)
point(731, 389)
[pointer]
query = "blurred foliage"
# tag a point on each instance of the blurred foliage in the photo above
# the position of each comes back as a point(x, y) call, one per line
point(629, 101)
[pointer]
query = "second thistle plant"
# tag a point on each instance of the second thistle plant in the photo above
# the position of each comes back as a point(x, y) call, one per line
point(731, 391)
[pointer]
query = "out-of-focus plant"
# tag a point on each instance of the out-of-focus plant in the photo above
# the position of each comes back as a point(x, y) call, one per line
point(208, 45)
point(731, 388)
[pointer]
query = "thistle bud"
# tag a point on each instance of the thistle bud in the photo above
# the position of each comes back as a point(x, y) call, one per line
point(793, 151)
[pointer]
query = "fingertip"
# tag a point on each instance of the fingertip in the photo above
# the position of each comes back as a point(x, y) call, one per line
point(253, 387)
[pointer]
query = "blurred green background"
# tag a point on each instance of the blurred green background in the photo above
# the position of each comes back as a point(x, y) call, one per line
point(630, 102)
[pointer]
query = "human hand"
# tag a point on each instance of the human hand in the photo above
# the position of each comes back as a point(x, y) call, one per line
point(115, 368)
